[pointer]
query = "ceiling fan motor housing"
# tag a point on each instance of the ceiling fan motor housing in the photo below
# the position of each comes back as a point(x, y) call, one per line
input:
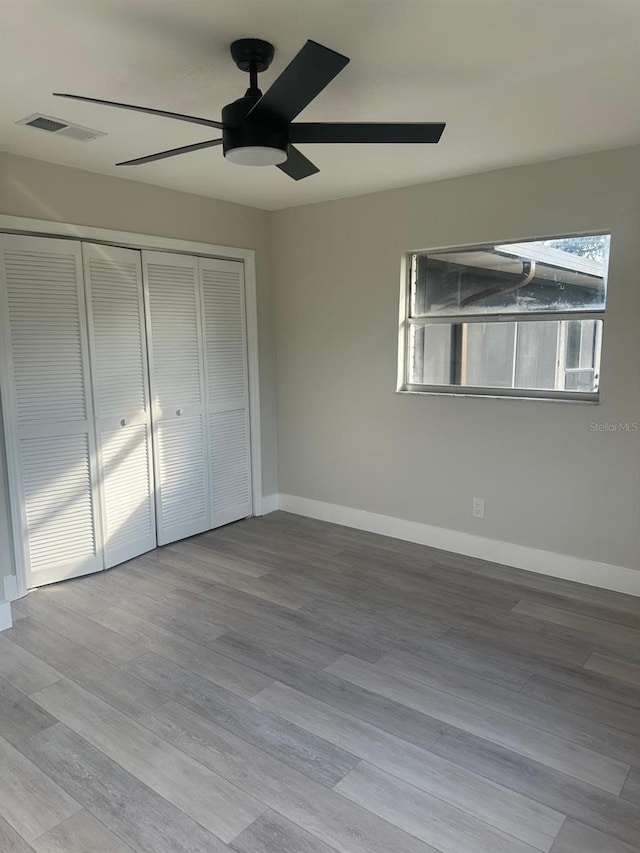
point(241, 132)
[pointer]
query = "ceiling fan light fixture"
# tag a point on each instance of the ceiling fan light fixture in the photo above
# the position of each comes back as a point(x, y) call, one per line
point(259, 130)
point(256, 155)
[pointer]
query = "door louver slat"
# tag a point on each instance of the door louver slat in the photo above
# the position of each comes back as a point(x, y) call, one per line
point(230, 470)
point(58, 504)
point(44, 320)
point(126, 474)
point(176, 342)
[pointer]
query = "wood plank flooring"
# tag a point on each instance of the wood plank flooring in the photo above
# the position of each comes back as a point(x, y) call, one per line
point(283, 685)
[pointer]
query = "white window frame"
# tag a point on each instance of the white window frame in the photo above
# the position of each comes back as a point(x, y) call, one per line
point(403, 386)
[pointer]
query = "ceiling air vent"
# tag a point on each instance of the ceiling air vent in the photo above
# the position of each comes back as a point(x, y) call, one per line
point(61, 128)
point(45, 124)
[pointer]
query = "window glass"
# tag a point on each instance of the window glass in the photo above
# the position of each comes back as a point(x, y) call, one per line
point(566, 274)
point(549, 355)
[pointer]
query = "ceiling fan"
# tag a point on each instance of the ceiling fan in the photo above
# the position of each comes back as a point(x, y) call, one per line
point(258, 130)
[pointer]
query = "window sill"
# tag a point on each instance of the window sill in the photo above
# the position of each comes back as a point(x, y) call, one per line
point(581, 398)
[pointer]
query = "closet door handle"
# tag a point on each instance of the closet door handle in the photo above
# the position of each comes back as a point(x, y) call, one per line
point(178, 412)
point(124, 422)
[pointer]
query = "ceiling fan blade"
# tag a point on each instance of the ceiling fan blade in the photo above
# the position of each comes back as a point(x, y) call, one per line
point(192, 119)
point(297, 166)
point(362, 132)
point(301, 81)
point(172, 152)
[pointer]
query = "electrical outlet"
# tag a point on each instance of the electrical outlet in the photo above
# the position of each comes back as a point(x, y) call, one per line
point(477, 508)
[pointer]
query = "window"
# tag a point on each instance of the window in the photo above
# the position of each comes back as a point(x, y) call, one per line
point(517, 319)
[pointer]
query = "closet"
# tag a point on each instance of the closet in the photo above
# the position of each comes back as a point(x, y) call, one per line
point(125, 400)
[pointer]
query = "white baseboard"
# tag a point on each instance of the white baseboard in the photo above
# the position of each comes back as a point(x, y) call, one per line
point(10, 586)
point(5, 616)
point(604, 575)
point(269, 504)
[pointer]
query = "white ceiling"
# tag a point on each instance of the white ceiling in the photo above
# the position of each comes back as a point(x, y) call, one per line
point(517, 81)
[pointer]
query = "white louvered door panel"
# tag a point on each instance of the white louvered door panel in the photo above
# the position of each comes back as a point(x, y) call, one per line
point(177, 393)
point(227, 392)
point(118, 349)
point(47, 409)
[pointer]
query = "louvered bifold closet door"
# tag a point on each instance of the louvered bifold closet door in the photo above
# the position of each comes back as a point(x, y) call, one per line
point(122, 409)
point(47, 409)
point(177, 394)
point(227, 390)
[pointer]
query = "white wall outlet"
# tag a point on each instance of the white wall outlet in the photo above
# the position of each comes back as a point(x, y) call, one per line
point(477, 508)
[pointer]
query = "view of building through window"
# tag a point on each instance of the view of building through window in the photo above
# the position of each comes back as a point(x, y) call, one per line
point(523, 316)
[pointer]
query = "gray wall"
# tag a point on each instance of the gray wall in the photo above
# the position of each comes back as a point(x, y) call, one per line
point(41, 190)
point(345, 437)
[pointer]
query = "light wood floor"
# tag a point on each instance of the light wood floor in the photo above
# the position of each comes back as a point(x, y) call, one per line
point(288, 686)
